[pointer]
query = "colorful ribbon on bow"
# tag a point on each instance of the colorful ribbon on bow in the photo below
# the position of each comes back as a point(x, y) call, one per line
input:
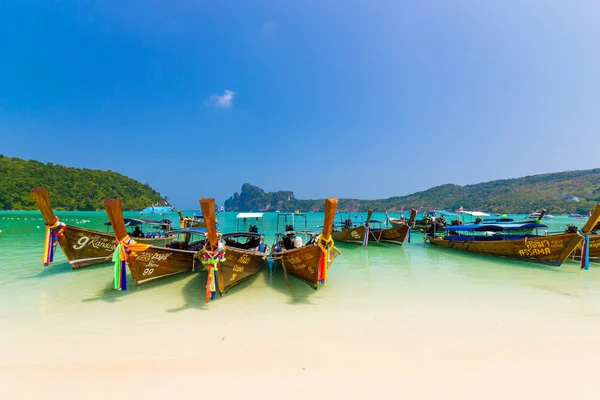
point(585, 252)
point(366, 240)
point(125, 248)
point(211, 259)
point(326, 245)
point(408, 233)
point(53, 232)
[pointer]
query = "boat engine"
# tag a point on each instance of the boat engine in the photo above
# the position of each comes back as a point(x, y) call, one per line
point(571, 229)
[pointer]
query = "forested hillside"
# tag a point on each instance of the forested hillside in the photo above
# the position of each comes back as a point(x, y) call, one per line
point(562, 192)
point(69, 188)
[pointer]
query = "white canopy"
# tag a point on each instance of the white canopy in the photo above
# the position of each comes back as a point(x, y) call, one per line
point(249, 215)
point(474, 213)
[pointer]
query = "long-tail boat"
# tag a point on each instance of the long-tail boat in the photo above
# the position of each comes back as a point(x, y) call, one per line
point(82, 247)
point(310, 260)
point(394, 235)
point(421, 223)
point(352, 230)
point(235, 258)
point(195, 221)
point(152, 262)
point(508, 240)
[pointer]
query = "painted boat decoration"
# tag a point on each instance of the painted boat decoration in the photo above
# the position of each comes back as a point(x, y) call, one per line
point(82, 247)
point(305, 254)
point(505, 240)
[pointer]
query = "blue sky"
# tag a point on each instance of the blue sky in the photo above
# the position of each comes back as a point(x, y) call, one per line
point(363, 99)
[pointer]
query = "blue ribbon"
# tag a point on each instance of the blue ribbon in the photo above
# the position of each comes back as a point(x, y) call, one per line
point(585, 253)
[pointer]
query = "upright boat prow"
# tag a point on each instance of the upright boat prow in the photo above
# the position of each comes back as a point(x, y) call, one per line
point(81, 246)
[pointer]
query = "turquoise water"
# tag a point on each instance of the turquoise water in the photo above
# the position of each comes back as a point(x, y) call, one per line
point(383, 303)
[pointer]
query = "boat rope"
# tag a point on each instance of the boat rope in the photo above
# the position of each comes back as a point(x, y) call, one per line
point(125, 247)
point(585, 252)
point(325, 244)
point(211, 259)
point(377, 238)
point(53, 232)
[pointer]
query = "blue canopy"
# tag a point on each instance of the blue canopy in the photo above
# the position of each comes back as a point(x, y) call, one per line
point(494, 227)
point(157, 210)
point(492, 220)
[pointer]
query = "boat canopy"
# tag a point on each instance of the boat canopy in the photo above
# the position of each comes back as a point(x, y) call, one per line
point(137, 222)
point(157, 210)
point(493, 227)
point(496, 220)
point(474, 213)
point(249, 215)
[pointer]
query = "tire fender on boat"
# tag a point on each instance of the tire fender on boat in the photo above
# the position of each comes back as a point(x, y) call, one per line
point(450, 243)
point(465, 245)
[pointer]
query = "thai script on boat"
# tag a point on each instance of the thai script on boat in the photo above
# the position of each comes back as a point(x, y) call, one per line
point(238, 268)
point(244, 259)
point(355, 235)
point(96, 241)
point(148, 256)
point(537, 244)
point(391, 234)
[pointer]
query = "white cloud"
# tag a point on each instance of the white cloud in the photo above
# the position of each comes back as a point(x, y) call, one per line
point(223, 101)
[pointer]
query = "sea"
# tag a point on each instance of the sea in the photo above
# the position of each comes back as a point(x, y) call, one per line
point(412, 320)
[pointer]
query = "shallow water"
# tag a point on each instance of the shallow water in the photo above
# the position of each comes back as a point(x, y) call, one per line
point(382, 304)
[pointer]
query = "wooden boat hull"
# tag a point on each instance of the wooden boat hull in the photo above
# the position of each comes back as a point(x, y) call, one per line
point(395, 235)
point(351, 235)
point(84, 247)
point(159, 262)
point(303, 262)
point(396, 222)
point(239, 265)
point(594, 249)
point(194, 224)
point(552, 249)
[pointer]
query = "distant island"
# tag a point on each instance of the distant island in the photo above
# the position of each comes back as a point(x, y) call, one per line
point(69, 188)
point(562, 192)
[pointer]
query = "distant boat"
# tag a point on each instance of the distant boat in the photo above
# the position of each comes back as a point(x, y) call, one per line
point(195, 221)
point(505, 240)
point(536, 215)
point(575, 215)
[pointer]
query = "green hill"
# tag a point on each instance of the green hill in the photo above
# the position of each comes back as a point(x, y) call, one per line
point(562, 192)
point(69, 188)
